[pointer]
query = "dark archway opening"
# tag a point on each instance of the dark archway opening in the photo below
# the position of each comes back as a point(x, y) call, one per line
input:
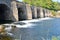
point(43, 13)
point(47, 13)
point(38, 13)
point(21, 14)
point(4, 14)
point(33, 15)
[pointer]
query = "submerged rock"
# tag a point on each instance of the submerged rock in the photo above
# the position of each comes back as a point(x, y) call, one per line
point(4, 35)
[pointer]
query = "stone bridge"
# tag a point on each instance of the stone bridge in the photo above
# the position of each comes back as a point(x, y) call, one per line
point(12, 10)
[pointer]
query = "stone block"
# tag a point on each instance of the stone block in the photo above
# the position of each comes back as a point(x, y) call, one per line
point(41, 12)
point(28, 11)
point(14, 11)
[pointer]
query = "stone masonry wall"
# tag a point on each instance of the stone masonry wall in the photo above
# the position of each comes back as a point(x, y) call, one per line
point(28, 12)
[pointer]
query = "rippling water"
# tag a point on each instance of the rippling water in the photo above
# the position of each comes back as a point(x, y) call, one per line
point(42, 30)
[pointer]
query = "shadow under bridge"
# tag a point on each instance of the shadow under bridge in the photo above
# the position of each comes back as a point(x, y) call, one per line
point(4, 14)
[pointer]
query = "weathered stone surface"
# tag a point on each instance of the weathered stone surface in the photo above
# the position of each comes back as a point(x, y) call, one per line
point(46, 13)
point(34, 12)
point(49, 13)
point(9, 10)
point(41, 12)
point(14, 11)
point(38, 12)
point(21, 11)
point(28, 11)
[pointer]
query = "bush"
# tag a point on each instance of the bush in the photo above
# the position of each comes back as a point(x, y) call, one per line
point(53, 13)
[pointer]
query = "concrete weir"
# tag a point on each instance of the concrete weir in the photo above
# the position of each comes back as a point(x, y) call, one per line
point(12, 10)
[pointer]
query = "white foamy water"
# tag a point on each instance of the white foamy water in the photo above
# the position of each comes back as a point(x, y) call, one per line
point(36, 20)
point(25, 26)
point(28, 24)
point(27, 32)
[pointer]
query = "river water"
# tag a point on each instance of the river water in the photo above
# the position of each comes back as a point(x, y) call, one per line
point(42, 30)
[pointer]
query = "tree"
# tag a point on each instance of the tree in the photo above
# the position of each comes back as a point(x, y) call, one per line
point(49, 4)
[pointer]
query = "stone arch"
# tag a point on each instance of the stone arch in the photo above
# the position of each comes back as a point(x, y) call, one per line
point(5, 4)
point(38, 13)
point(21, 14)
point(4, 13)
point(43, 12)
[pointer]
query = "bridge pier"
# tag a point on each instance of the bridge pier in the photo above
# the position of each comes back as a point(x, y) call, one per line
point(28, 11)
point(14, 11)
point(46, 13)
point(41, 13)
point(38, 12)
point(21, 11)
point(49, 13)
point(34, 12)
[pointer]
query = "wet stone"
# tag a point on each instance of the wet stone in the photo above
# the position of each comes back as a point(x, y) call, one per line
point(5, 37)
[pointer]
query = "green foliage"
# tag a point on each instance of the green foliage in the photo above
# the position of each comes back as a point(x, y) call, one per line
point(53, 13)
point(49, 4)
point(54, 38)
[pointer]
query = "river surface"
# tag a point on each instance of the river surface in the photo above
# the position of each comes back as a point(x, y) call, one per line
point(42, 30)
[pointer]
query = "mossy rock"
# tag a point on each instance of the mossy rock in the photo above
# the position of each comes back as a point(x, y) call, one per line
point(3, 37)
